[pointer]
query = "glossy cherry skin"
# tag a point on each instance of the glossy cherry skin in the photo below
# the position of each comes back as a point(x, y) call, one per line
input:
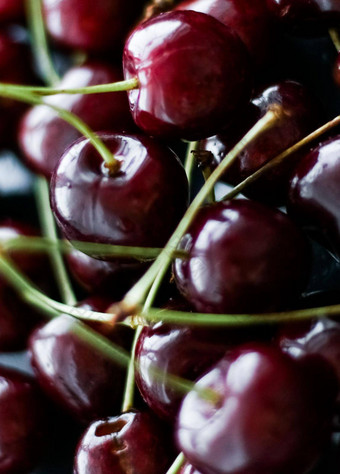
point(305, 14)
point(194, 75)
point(73, 374)
point(244, 257)
point(133, 442)
point(302, 117)
point(44, 136)
point(185, 352)
point(140, 206)
point(103, 276)
point(273, 414)
point(250, 20)
point(11, 10)
point(80, 26)
point(314, 195)
point(23, 427)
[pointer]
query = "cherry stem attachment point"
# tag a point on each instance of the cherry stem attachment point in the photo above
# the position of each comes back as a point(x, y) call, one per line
point(137, 294)
point(110, 161)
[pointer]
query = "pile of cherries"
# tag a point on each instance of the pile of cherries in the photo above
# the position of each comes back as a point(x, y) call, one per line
point(245, 377)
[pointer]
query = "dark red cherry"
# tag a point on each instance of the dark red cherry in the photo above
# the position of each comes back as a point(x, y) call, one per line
point(133, 442)
point(23, 426)
point(103, 276)
point(15, 68)
point(44, 136)
point(11, 10)
point(185, 352)
point(250, 20)
point(75, 375)
point(193, 72)
point(305, 15)
point(314, 195)
point(139, 206)
point(336, 71)
point(302, 117)
point(244, 257)
point(79, 25)
point(273, 414)
point(188, 469)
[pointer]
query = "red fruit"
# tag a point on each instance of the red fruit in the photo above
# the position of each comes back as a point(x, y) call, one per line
point(193, 72)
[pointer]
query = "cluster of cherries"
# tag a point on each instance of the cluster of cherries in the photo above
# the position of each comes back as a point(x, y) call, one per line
point(242, 394)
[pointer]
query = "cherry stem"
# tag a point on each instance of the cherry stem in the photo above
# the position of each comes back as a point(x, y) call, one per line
point(190, 160)
point(120, 86)
point(39, 42)
point(281, 157)
point(335, 36)
point(50, 231)
point(177, 464)
point(129, 390)
point(137, 294)
point(110, 161)
point(39, 244)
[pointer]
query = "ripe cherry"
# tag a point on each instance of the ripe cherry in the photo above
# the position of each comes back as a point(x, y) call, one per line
point(314, 196)
point(193, 72)
point(139, 206)
point(23, 425)
point(11, 10)
point(77, 377)
point(273, 414)
point(44, 136)
point(243, 257)
point(250, 20)
point(133, 442)
point(302, 117)
point(80, 26)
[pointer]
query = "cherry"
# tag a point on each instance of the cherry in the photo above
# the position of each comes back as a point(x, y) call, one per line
point(103, 276)
point(305, 14)
point(76, 376)
point(22, 423)
point(244, 257)
point(44, 136)
point(181, 351)
point(250, 20)
point(302, 117)
point(336, 72)
point(273, 414)
point(193, 72)
point(131, 442)
point(188, 469)
point(11, 10)
point(80, 26)
point(313, 195)
point(140, 206)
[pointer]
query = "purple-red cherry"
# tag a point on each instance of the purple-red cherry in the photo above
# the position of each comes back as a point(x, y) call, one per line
point(139, 206)
point(79, 378)
point(44, 136)
point(243, 257)
point(133, 442)
point(272, 416)
point(11, 10)
point(314, 195)
point(302, 116)
point(23, 426)
point(193, 72)
point(250, 20)
point(81, 25)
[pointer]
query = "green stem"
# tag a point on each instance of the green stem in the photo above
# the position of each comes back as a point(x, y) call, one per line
point(49, 230)
point(178, 463)
point(126, 85)
point(110, 161)
point(39, 42)
point(39, 244)
point(282, 156)
point(335, 36)
point(138, 292)
point(129, 391)
point(234, 320)
point(190, 159)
